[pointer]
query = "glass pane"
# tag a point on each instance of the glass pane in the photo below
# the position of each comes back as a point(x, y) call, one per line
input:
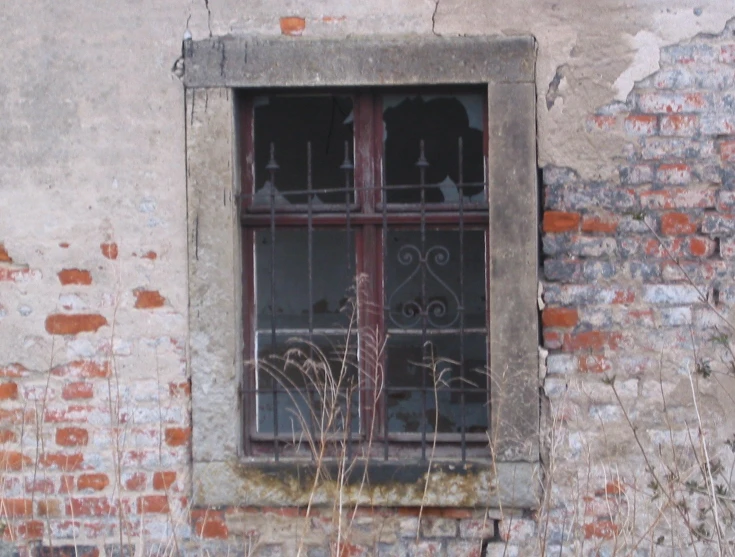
point(288, 123)
point(446, 125)
point(311, 384)
point(333, 277)
point(424, 286)
point(422, 378)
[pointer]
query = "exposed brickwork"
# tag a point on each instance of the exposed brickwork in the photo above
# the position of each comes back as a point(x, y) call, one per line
point(75, 276)
point(72, 324)
point(293, 25)
point(632, 295)
point(148, 299)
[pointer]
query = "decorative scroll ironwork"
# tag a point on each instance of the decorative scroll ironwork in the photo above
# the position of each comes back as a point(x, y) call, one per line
point(435, 310)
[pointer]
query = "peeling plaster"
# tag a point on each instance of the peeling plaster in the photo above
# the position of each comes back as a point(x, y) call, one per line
point(604, 47)
point(645, 62)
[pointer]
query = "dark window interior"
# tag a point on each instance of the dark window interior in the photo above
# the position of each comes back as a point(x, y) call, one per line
point(366, 321)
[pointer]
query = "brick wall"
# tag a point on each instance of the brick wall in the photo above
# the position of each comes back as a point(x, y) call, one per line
point(637, 275)
point(638, 289)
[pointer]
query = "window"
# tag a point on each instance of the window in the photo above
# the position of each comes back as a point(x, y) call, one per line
point(228, 471)
point(365, 243)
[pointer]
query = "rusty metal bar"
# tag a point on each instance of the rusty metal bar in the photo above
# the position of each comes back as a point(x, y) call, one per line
point(272, 167)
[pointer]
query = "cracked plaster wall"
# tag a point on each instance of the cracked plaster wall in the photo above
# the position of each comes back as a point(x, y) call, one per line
point(92, 134)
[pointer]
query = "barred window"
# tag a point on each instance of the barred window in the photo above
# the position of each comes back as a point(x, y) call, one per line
point(365, 245)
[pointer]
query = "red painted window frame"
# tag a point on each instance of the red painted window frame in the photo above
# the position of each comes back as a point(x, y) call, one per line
point(366, 219)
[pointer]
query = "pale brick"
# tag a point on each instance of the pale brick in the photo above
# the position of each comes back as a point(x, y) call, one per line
point(671, 294)
point(438, 527)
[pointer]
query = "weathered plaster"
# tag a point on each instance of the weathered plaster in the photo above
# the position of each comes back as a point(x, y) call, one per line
point(604, 47)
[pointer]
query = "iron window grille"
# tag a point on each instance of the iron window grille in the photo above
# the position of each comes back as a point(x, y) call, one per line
point(364, 220)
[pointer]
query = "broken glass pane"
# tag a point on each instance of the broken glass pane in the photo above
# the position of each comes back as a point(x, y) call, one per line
point(446, 125)
point(428, 388)
point(284, 124)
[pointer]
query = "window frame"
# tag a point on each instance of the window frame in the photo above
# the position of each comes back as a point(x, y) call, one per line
point(222, 474)
point(368, 216)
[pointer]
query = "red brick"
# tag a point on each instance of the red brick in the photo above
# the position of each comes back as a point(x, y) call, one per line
point(87, 369)
point(683, 125)
point(75, 276)
point(17, 416)
point(17, 274)
point(73, 413)
point(109, 250)
point(89, 506)
point(727, 151)
point(76, 390)
point(66, 484)
point(8, 391)
point(673, 174)
point(65, 462)
point(16, 507)
point(641, 124)
point(604, 529)
point(559, 317)
point(210, 524)
point(177, 436)
point(148, 299)
point(95, 482)
point(179, 389)
point(49, 507)
point(292, 25)
point(676, 224)
point(7, 436)
point(623, 297)
point(552, 340)
point(13, 370)
point(153, 504)
point(30, 530)
point(4, 257)
point(39, 485)
point(600, 224)
point(152, 255)
point(611, 488)
point(594, 364)
point(74, 323)
point(71, 436)
point(136, 482)
point(164, 480)
point(601, 122)
point(64, 245)
point(560, 221)
point(700, 247)
point(592, 341)
point(13, 461)
point(666, 103)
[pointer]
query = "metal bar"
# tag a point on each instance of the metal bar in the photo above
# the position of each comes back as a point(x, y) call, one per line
point(247, 185)
point(383, 202)
point(272, 167)
point(422, 163)
point(347, 167)
point(310, 273)
point(297, 192)
point(461, 309)
point(479, 218)
point(389, 389)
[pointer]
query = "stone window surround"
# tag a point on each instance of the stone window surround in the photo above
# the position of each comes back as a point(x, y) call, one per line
point(221, 476)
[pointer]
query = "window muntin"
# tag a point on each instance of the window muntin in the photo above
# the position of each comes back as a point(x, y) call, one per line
point(412, 355)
